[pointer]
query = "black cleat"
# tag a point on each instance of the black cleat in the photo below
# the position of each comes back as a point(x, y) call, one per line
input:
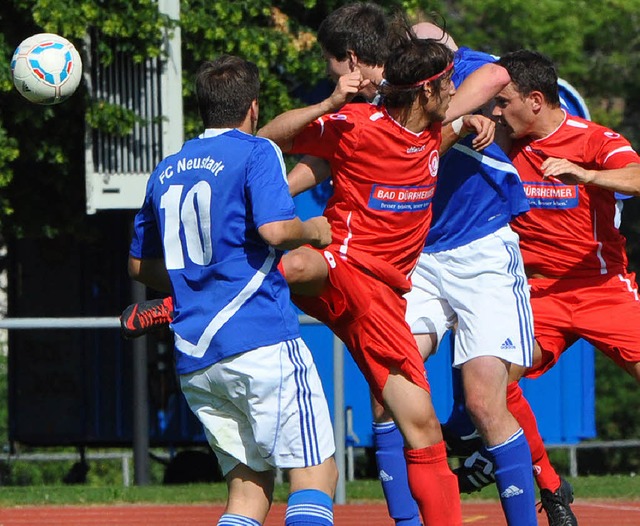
point(461, 446)
point(475, 474)
point(556, 505)
point(147, 316)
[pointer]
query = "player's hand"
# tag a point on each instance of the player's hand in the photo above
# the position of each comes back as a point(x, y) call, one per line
point(322, 230)
point(347, 87)
point(565, 171)
point(483, 127)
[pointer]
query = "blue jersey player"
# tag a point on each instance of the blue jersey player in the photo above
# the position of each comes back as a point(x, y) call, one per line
point(215, 220)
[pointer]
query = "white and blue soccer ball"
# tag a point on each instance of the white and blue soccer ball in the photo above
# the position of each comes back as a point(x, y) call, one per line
point(46, 68)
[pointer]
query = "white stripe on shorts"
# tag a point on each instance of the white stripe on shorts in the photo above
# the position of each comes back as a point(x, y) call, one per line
point(307, 417)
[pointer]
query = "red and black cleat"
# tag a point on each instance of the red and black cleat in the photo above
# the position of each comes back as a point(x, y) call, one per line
point(147, 316)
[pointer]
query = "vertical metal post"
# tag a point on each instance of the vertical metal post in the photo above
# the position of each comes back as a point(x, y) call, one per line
point(171, 88)
point(573, 461)
point(140, 399)
point(339, 418)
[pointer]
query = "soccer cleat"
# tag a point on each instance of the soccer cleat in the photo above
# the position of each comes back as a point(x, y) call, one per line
point(556, 505)
point(461, 446)
point(475, 473)
point(140, 318)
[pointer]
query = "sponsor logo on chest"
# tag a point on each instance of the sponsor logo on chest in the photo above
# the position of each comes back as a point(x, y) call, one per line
point(401, 198)
point(551, 195)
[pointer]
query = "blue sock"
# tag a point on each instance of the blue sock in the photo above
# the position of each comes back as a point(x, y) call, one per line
point(392, 472)
point(459, 422)
point(309, 507)
point(514, 478)
point(231, 519)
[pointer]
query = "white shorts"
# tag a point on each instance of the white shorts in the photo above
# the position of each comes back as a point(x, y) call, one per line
point(264, 408)
point(481, 286)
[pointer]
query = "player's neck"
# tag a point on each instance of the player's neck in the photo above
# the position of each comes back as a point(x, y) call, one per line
point(548, 121)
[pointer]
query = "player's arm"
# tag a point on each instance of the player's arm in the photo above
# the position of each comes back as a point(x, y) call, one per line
point(284, 128)
point(151, 272)
point(309, 172)
point(622, 180)
point(293, 233)
point(476, 90)
point(482, 126)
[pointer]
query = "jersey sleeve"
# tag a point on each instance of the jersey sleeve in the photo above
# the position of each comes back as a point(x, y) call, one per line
point(324, 136)
point(610, 150)
point(146, 242)
point(267, 186)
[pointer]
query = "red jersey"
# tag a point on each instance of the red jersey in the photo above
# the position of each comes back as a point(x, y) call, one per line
point(571, 230)
point(384, 177)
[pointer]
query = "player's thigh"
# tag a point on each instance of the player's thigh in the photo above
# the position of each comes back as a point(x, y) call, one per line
point(428, 313)
point(305, 270)
point(608, 316)
point(485, 284)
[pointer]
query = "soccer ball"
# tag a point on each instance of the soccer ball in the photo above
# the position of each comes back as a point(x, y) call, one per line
point(46, 68)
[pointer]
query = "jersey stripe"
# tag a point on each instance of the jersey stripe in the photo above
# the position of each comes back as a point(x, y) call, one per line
point(489, 161)
point(223, 316)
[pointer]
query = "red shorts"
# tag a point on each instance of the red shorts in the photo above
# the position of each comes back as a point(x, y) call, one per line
point(369, 317)
point(605, 311)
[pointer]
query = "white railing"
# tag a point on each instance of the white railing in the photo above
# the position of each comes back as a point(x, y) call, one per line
point(338, 374)
point(596, 444)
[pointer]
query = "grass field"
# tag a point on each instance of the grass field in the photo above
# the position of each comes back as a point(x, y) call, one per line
point(608, 487)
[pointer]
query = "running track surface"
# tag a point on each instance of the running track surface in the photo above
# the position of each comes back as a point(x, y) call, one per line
point(589, 513)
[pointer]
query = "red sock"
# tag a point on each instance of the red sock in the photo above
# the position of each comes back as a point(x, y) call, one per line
point(546, 476)
point(434, 486)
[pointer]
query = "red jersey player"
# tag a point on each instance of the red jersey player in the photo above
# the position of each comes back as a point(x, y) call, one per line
point(571, 169)
point(573, 253)
point(384, 162)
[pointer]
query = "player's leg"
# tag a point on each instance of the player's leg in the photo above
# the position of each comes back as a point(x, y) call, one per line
point(433, 485)
point(392, 467)
point(249, 497)
point(235, 400)
point(382, 345)
point(305, 270)
point(427, 316)
point(485, 381)
point(389, 451)
point(303, 440)
point(311, 494)
point(493, 341)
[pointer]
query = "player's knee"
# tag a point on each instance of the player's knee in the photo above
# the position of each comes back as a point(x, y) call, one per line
point(483, 410)
point(295, 266)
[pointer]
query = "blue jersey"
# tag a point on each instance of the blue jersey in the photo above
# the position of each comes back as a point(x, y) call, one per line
point(201, 212)
point(477, 192)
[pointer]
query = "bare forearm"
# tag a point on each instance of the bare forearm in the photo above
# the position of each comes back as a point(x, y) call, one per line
point(151, 272)
point(623, 180)
point(309, 172)
point(477, 89)
point(283, 129)
point(287, 235)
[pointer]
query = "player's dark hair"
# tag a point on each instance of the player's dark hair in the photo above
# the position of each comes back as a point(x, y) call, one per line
point(532, 71)
point(360, 27)
point(225, 89)
point(412, 60)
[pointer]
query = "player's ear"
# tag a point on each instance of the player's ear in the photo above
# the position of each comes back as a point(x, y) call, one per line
point(254, 111)
point(536, 99)
point(353, 60)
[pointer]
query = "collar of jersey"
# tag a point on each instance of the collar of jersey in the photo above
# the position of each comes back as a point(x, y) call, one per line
point(213, 132)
